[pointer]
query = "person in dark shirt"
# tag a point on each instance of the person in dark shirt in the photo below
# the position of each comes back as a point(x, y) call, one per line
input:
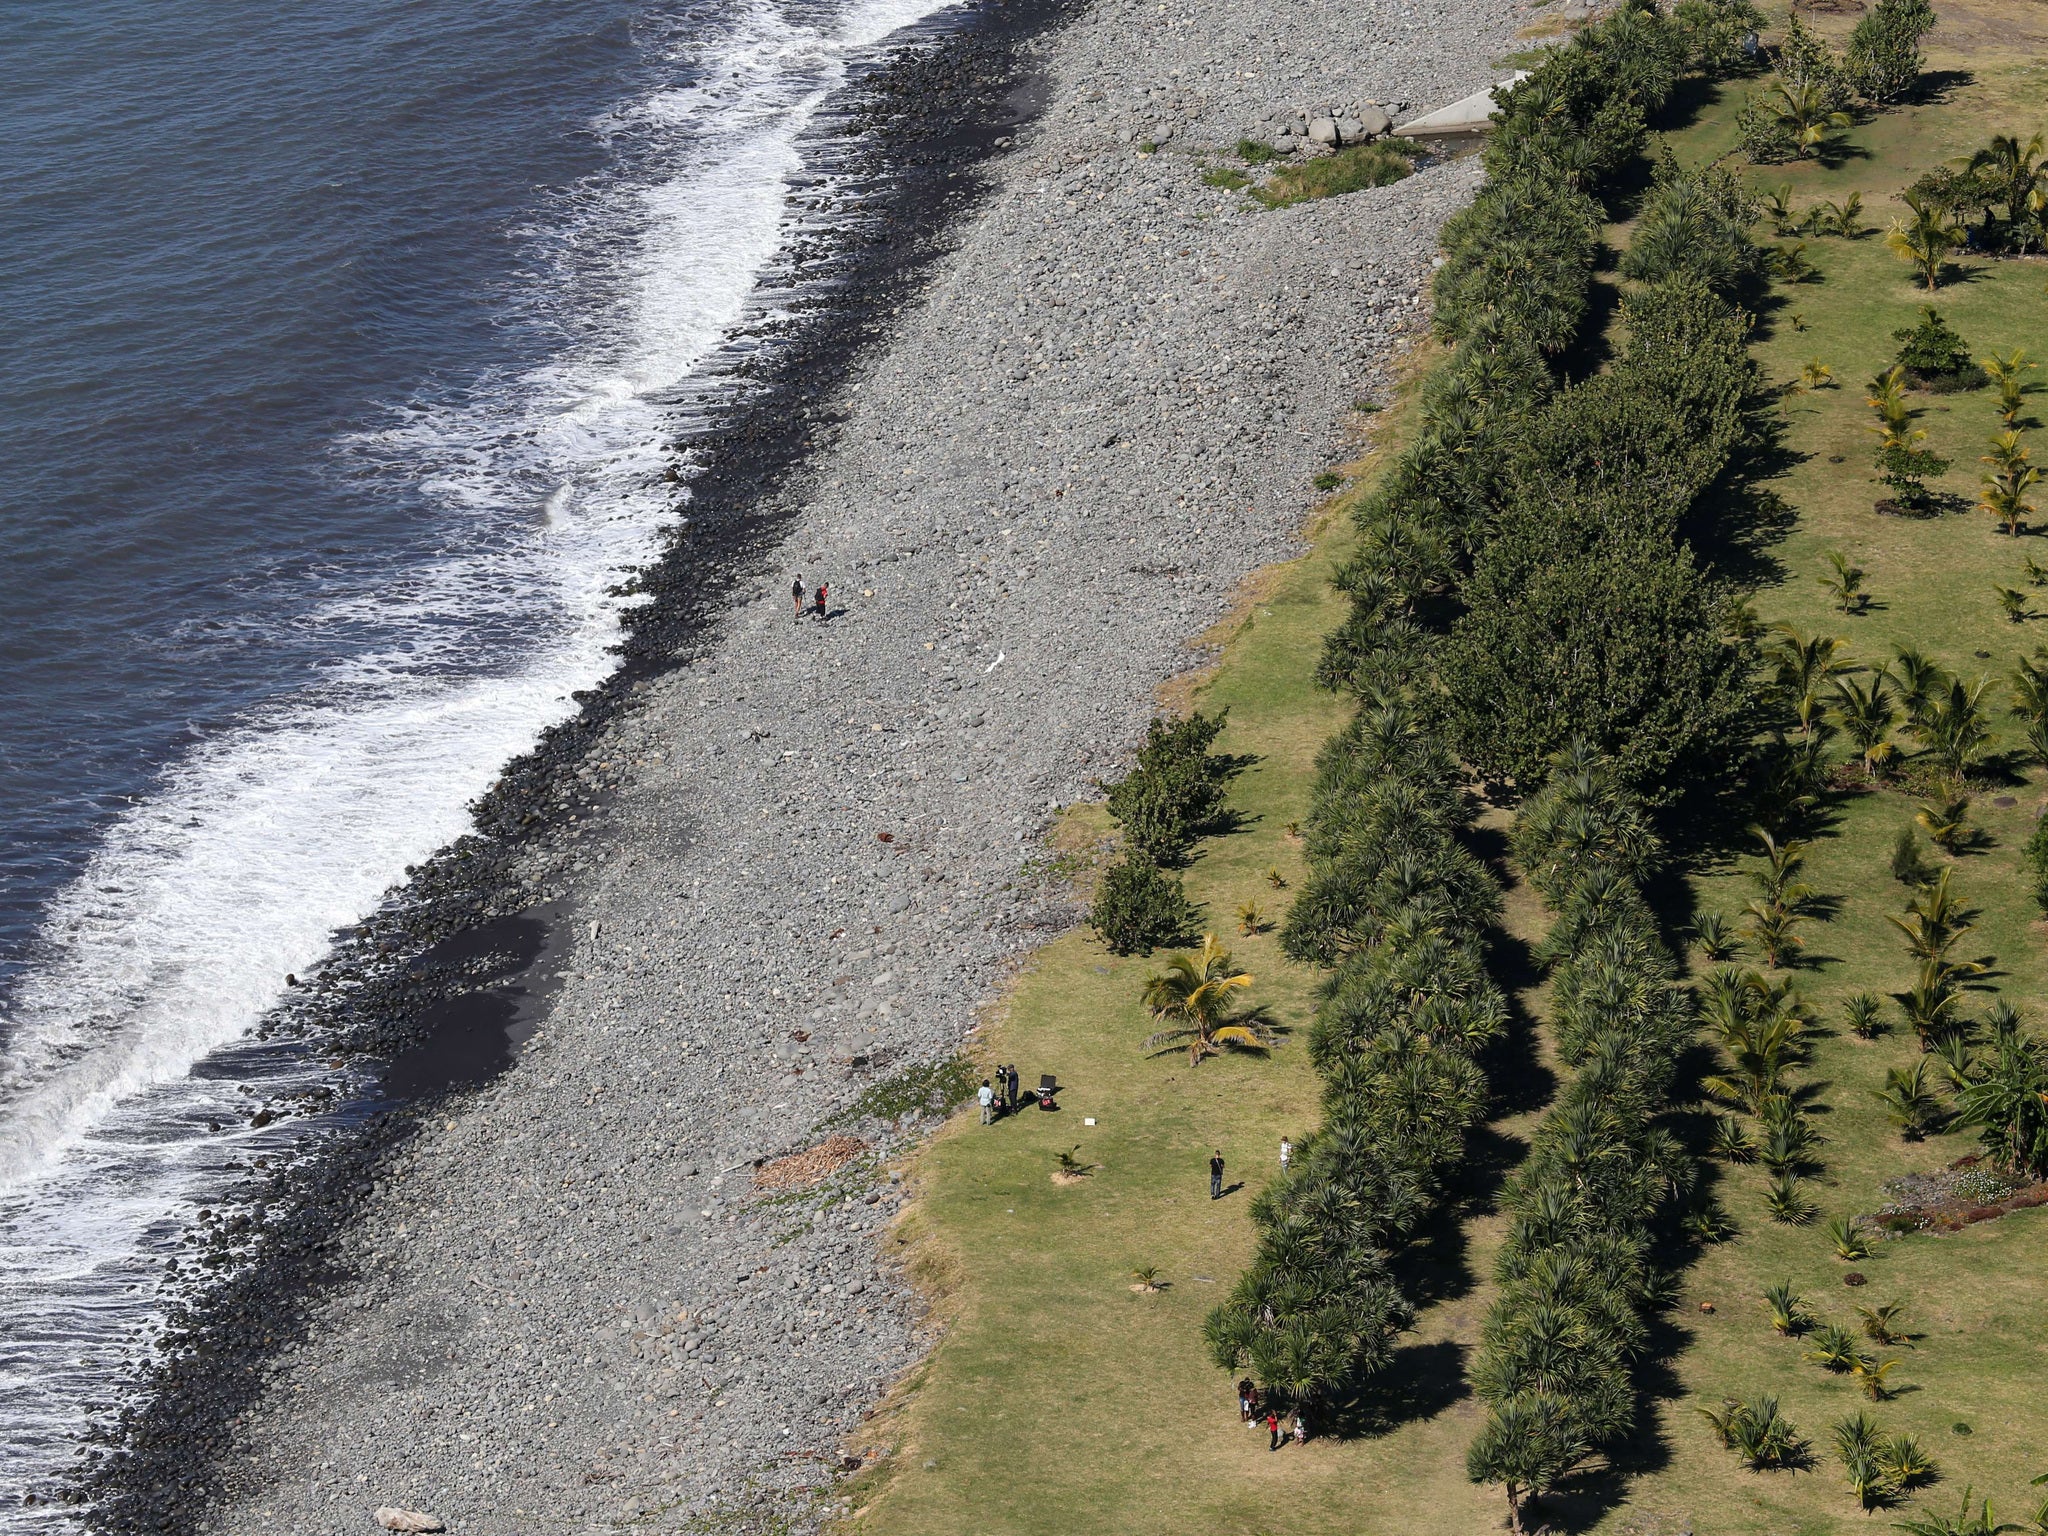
point(818, 600)
point(796, 595)
point(1011, 1082)
point(1216, 1176)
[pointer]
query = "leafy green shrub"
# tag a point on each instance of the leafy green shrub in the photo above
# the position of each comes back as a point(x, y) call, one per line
point(1139, 908)
point(1935, 357)
point(1804, 60)
point(1228, 177)
point(1257, 152)
point(1625, 636)
point(1765, 137)
point(1715, 32)
point(1883, 60)
point(1174, 792)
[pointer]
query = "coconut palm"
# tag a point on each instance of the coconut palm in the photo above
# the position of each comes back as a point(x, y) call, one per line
point(1805, 665)
point(1802, 108)
point(2015, 168)
point(1925, 239)
point(1873, 1377)
point(1965, 1522)
point(2005, 1095)
point(1934, 919)
point(1815, 374)
point(1887, 397)
point(1952, 729)
point(1845, 587)
point(1866, 713)
point(2009, 374)
point(1944, 820)
point(1197, 994)
point(1909, 1099)
point(1886, 1323)
point(2030, 705)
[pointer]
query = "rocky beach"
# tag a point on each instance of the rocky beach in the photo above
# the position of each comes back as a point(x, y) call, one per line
point(786, 875)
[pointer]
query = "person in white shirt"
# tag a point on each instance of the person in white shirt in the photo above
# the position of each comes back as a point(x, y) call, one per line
point(1286, 1153)
point(988, 1103)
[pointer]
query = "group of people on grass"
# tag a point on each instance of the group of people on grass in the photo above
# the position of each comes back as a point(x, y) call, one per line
point(998, 1095)
point(1249, 1404)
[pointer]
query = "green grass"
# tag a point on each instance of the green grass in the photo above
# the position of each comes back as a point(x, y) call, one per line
point(1061, 1401)
point(1972, 1295)
point(1378, 164)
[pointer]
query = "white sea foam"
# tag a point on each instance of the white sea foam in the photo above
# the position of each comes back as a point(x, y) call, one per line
point(267, 837)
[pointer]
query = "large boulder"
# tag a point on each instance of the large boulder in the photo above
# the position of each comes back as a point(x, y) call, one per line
point(1323, 130)
point(1374, 120)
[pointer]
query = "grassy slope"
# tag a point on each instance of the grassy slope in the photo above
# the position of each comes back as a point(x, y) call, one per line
point(1976, 1296)
point(1061, 1401)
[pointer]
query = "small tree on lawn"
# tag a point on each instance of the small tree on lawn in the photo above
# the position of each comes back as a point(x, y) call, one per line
point(1926, 239)
point(1196, 995)
point(1883, 60)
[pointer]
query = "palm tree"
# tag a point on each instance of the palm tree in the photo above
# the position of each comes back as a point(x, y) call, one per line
point(2030, 705)
point(2005, 1095)
point(2016, 168)
point(1888, 398)
point(1846, 585)
point(1909, 1099)
point(1815, 374)
point(1529, 1444)
point(1867, 713)
point(2005, 498)
point(1925, 239)
point(2004, 490)
point(2012, 602)
point(1196, 992)
point(1934, 920)
point(1950, 725)
point(1805, 664)
point(1802, 108)
point(1919, 678)
point(2009, 374)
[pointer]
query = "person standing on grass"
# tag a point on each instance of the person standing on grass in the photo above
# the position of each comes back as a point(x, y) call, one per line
point(1286, 1155)
point(1010, 1085)
point(796, 595)
point(1273, 1429)
point(988, 1103)
point(1216, 1176)
point(1300, 1428)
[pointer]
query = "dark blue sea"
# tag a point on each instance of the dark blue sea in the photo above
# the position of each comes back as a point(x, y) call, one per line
point(338, 346)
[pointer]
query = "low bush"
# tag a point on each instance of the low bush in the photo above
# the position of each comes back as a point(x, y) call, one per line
point(1883, 60)
point(1139, 908)
point(1174, 792)
point(1935, 357)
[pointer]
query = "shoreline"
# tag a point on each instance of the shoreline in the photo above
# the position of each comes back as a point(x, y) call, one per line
point(646, 1086)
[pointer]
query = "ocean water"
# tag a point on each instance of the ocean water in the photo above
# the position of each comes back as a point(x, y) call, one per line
point(341, 347)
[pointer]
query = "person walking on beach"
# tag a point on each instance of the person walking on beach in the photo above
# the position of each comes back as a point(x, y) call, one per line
point(1286, 1155)
point(1273, 1429)
point(1216, 1176)
point(818, 599)
point(988, 1103)
point(796, 595)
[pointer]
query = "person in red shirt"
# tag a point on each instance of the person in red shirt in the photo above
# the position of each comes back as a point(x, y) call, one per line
point(818, 600)
point(1273, 1429)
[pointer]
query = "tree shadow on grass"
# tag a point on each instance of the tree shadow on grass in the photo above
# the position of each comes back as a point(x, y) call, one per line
point(1422, 1381)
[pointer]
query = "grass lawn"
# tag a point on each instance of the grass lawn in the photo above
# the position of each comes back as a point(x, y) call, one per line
point(1061, 1401)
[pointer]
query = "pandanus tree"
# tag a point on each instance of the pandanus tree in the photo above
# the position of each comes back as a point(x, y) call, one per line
point(1197, 996)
